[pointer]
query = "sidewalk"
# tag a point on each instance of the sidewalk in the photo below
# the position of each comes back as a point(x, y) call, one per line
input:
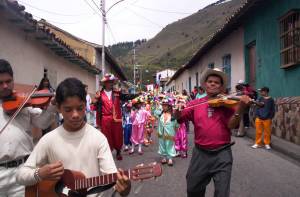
point(280, 145)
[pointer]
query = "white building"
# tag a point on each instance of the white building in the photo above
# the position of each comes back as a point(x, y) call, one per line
point(225, 50)
point(31, 48)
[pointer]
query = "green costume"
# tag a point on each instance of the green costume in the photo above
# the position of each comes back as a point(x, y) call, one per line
point(166, 137)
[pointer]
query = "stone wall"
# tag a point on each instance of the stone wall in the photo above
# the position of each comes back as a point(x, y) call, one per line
point(286, 123)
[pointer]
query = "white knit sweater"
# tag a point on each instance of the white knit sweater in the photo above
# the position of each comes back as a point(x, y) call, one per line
point(86, 150)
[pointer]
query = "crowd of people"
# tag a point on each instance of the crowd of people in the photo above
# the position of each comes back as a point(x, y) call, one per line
point(79, 131)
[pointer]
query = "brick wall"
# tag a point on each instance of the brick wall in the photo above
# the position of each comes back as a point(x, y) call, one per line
point(286, 123)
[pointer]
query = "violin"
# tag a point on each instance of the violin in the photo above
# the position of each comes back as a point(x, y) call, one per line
point(221, 101)
point(38, 99)
point(228, 101)
point(13, 104)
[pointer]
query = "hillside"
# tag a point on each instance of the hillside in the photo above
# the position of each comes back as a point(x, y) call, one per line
point(177, 42)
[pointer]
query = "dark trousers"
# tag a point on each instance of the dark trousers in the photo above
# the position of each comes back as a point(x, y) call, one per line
point(205, 165)
point(246, 118)
point(127, 134)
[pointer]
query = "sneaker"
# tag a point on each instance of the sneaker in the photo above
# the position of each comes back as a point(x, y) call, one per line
point(126, 148)
point(268, 147)
point(170, 162)
point(140, 152)
point(163, 161)
point(131, 151)
point(240, 135)
point(184, 155)
point(255, 146)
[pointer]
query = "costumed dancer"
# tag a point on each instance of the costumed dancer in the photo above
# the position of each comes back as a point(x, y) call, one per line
point(109, 117)
point(139, 117)
point(166, 132)
point(149, 123)
point(127, 125)
point(181, 140)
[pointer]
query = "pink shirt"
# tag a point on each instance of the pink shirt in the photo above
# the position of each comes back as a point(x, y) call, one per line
point(140, 116)
point(210, 124)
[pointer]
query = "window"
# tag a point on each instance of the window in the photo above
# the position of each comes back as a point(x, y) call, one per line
point(211, 65)
point(290, 39)
point(227, 69)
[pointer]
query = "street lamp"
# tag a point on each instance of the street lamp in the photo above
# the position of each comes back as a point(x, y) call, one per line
point(102, 4)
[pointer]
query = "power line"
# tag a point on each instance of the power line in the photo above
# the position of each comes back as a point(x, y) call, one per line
point(95, 12)
point(97, 6)
point(51, 12)
point(158, 10)
point(124, 9)
point(145, 18)
point(108, 26)
point(130, 24)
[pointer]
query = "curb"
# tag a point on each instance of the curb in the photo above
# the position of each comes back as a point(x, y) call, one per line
point(287, 148)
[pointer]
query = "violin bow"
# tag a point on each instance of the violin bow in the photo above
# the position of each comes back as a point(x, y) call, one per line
point(19, 109)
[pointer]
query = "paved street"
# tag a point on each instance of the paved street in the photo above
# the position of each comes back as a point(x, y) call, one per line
point(256, 173)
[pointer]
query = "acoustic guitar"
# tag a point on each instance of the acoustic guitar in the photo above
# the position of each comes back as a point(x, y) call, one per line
point(74, 183)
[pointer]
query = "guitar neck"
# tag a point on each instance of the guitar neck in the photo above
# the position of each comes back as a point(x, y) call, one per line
point(98, 180)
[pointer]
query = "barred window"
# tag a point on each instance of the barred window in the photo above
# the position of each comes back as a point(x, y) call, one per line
point(211, 65)
point(290, 39)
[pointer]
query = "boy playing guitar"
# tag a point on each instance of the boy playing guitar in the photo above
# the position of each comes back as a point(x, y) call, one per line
point(74, 145)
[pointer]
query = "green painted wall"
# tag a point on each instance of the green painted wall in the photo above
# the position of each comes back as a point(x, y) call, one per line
point(263, 27)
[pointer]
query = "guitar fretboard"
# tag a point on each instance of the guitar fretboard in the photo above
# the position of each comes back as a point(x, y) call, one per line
point(98, 181)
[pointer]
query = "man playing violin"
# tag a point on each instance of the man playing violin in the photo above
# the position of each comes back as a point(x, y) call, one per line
point(16, 140)
point(212, 156)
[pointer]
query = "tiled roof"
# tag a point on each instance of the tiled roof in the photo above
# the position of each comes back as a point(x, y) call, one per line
point(109, 58)
point(18, 16)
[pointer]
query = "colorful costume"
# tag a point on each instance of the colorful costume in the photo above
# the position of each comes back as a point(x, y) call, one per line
point(127, 125)
point(166, 136)
point(139, 118)
point(181, 141)
point(109, 119)
point(149, 126)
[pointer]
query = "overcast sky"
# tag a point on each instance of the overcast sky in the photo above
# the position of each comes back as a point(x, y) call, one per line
point(127, 21)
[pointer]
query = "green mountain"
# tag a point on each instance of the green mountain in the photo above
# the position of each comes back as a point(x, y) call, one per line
point(175, 44)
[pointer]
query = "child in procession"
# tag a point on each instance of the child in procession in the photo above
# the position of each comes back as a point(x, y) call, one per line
point(166, 132)
point(127, 125)
point(139, 116)
point(181, 140)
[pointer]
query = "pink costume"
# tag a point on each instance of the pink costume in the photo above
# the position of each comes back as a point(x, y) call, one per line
point(181, 141)
point(139, 120)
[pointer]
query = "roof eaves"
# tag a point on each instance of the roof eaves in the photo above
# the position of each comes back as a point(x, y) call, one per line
point(108, 56)
point(113, 62)
point(231, 23)
point(177, 73)
point(45, 36)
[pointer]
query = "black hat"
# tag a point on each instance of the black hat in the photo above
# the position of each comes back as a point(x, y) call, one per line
point(265, 89)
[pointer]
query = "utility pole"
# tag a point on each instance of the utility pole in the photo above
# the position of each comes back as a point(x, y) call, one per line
point(102, 4)
point(134, 68)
